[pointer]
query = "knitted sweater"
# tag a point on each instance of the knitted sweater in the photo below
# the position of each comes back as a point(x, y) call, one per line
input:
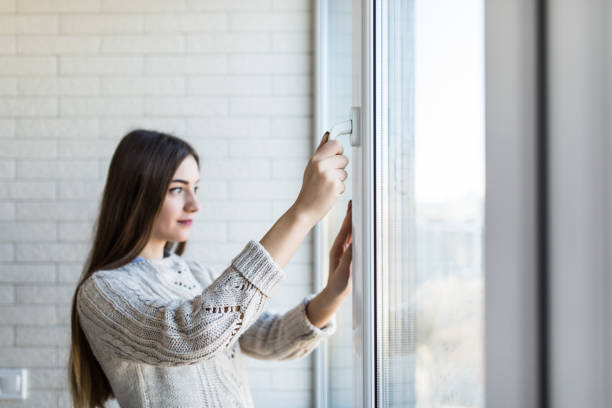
point(170, 333)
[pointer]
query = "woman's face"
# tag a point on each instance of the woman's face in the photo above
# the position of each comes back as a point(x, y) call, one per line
point(180, 203)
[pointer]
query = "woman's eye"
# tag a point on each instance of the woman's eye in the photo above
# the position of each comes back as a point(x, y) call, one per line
point(195, 190)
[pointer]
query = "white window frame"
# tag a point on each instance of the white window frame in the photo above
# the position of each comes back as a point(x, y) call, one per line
point(362, 162)
point(320, 38)
point(513, 219)
point(363, 319)
point(510, 191)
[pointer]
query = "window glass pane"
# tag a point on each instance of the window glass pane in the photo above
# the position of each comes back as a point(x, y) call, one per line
point(430, 204)
point(339, 91)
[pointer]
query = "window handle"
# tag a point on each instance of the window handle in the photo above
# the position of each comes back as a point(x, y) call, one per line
point(348, 127)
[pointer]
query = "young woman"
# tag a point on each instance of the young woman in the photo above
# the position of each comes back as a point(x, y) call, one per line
point(153, 329)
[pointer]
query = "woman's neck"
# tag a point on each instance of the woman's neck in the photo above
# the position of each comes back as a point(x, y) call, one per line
point(153, 250)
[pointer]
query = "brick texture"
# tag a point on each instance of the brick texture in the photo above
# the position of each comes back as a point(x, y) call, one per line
point(233, 77)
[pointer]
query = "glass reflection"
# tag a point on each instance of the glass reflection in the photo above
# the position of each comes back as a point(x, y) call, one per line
point(431, 204)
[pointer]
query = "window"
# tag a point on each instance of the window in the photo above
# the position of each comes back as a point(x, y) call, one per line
point(338, 99)
point(429, 203)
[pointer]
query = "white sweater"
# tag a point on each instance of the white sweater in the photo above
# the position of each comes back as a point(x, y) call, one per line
point(169, 333)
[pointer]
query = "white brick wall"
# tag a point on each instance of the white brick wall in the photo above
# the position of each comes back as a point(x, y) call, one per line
point(233, 77)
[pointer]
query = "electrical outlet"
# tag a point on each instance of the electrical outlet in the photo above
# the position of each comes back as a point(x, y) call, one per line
point(13, 383)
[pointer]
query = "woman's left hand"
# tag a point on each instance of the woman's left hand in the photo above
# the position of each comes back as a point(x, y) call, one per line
point(324, 305)
point(339, 282)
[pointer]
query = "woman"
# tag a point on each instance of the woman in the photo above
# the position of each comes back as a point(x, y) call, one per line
point(150, 328)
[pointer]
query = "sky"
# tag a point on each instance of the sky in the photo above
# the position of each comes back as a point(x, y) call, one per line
point(449, 104)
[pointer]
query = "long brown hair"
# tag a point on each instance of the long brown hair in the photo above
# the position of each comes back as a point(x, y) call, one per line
point(139, 174)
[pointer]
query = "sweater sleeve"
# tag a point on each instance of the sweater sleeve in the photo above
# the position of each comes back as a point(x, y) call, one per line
point(285, 336)
point(123, 319)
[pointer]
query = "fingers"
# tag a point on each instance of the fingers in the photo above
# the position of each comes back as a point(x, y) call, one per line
point(347, 257)
point(336, 178)
point(338, 161)
point(346, 231)
point(345, 235)
point(347, 218)
point(329, 148)
point(324, 140)
point(339, 174)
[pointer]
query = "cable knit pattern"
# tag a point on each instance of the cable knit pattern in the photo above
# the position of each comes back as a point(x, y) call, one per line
point(170, 333)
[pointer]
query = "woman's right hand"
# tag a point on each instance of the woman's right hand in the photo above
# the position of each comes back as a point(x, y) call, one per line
point(323, 180)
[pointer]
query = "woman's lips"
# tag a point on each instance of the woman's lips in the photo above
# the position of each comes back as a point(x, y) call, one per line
point(186, 223)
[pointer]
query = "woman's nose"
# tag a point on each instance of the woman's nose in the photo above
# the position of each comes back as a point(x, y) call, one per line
point(192, 204)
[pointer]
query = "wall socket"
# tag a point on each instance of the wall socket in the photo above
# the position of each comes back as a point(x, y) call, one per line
point(13, 383)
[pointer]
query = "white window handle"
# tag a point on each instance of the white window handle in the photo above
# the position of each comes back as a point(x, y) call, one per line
point(349, 127)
